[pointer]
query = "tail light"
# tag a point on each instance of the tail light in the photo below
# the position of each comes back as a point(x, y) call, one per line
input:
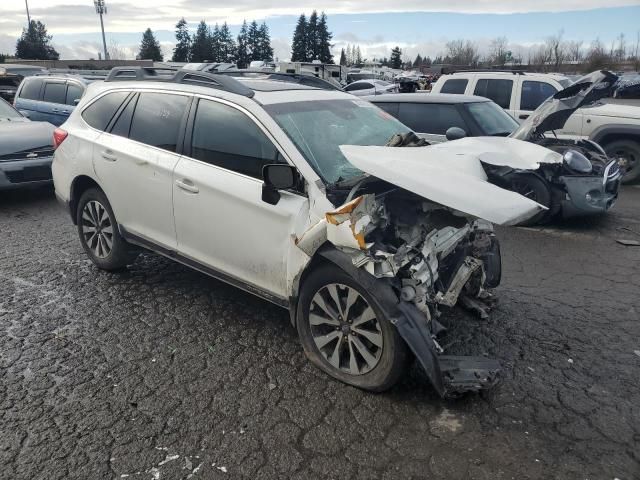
point(58, 137)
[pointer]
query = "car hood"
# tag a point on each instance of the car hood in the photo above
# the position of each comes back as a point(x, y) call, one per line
point(452, 175)
point(19, 136)
point(554, 112)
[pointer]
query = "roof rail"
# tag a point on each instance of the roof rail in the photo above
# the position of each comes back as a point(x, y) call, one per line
point(173, 75)
point(300, 79)
point(486, 70)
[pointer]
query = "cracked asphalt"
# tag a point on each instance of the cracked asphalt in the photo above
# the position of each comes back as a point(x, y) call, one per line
point(160, 372)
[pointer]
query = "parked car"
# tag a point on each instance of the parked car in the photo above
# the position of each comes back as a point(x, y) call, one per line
point(586, 182)
point(370, 87)
point(50, 98)
point(21, 70)
point(9, 86)
point(26, 150)
point(615, 126)
point(263, 184)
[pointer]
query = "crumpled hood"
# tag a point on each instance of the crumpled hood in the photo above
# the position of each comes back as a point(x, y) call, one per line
point(554, 112)
point(452, 175)
point(19, 136)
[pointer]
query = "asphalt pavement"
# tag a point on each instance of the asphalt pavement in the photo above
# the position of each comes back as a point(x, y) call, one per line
point(160, 372)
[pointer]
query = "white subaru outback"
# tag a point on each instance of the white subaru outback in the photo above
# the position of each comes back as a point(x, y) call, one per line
point(289, 192)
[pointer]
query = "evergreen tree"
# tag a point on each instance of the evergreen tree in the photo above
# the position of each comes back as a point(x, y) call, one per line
point(358, 56)
point(200, 46)
point(313, 40)
point(183, 45)
point(33, 44)
point(324, 40)
point(228, 50)
point(214, 43)
point(343, 58)
point(299, 43)
point(149, 47)
point(418, 61)
point(253, 40)
point(243, 55)
point(266, 51)
point(426, 61)
point(396, 58)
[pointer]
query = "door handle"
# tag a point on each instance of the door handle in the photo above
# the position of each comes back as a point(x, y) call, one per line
point(187, 185)
point(108, 155)
point(523, 116)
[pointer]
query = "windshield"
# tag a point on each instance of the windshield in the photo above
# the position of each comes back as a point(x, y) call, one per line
point(318, 128)
point(565, 82)
point(7, 111)
point(492, 119)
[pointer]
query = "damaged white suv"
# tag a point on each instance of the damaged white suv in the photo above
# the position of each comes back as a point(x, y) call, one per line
point(287, 191)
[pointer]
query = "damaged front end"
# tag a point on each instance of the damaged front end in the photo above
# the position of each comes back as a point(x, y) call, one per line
point(416, 257)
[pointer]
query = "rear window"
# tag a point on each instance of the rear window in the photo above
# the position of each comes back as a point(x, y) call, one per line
point(431, 118)
point(497, 90)
point(455, 85)
point(157, 118)
point(54, 92)
point(31, 89)
point(99, 113)
point(534, 93)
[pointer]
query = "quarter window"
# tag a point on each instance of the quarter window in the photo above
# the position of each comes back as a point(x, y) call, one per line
point(534, 93)
point(434, 118)
point(54, 92)
point(74, 92)
point(225, 137)
point(497, 90)
point(157, 118)
point(123, 124)
point(31, 89)
point(99, 113)
point(455, 85)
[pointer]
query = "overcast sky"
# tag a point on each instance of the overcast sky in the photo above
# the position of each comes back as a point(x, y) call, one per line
point(417, 26)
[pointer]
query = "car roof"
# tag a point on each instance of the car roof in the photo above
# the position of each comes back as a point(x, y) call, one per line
point(502, 73)
point(425, 98)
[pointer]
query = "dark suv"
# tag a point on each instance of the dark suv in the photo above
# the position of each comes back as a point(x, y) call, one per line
point(49, 98)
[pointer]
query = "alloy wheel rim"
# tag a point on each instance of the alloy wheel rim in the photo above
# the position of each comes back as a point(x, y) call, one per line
point(627, 160)
point(345, 329)
point(97, 229)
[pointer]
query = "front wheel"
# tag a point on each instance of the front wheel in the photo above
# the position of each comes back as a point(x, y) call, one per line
point(344, 332)
point(99, 233)
point(533, 188)
point(627, 153)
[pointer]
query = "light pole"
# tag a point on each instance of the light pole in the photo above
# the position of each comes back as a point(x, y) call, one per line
point(26, 3)
point(101, 9)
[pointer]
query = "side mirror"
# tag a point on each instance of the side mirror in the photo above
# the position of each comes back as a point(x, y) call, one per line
point(455, 133)
point(277, 176)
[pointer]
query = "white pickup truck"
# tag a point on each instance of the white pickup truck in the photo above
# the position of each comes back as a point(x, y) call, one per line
point(615, 126)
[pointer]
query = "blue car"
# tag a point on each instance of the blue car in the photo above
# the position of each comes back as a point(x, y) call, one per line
point(49, 98)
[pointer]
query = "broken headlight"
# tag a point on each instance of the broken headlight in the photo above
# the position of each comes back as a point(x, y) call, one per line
point(577, 162)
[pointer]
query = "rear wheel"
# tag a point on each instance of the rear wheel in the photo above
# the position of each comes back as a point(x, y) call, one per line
point(627, 152)
point(99, 233)
point(533, 188)
point(344, 332)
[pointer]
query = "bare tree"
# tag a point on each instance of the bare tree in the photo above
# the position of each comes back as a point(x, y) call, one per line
point(116, 52)
point(556, 46)
point(574, 51)
point(462, 52)
point(597, 57)
point(620, 52)
point(499, 53)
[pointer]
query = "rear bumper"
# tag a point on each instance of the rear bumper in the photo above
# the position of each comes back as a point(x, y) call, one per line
point(25, 173)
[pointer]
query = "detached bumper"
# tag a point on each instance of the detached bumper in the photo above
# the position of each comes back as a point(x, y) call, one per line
point(591, 195)
point(25, 173)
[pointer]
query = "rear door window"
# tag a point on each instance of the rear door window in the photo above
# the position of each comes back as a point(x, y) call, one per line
point(225, 137)
point(157, 119)
point(122, 125)
point(455, 85)
point(434, 118)
point(390, 107)
point(55, 92)
point(534, 93)
point(358, 86)
point(99, 113)
point(31, 89)
point(74, 92)
point(497, 90)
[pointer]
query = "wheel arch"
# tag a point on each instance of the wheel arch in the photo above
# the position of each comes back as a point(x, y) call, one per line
point(610, 133)
point(80, 185)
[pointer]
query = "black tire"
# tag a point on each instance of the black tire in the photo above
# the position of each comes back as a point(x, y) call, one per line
point(120, 254)
point(535, 189)
point(629, 152)
point(394, 356)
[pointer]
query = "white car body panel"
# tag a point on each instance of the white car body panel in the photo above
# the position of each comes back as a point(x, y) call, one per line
point(443, 175)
